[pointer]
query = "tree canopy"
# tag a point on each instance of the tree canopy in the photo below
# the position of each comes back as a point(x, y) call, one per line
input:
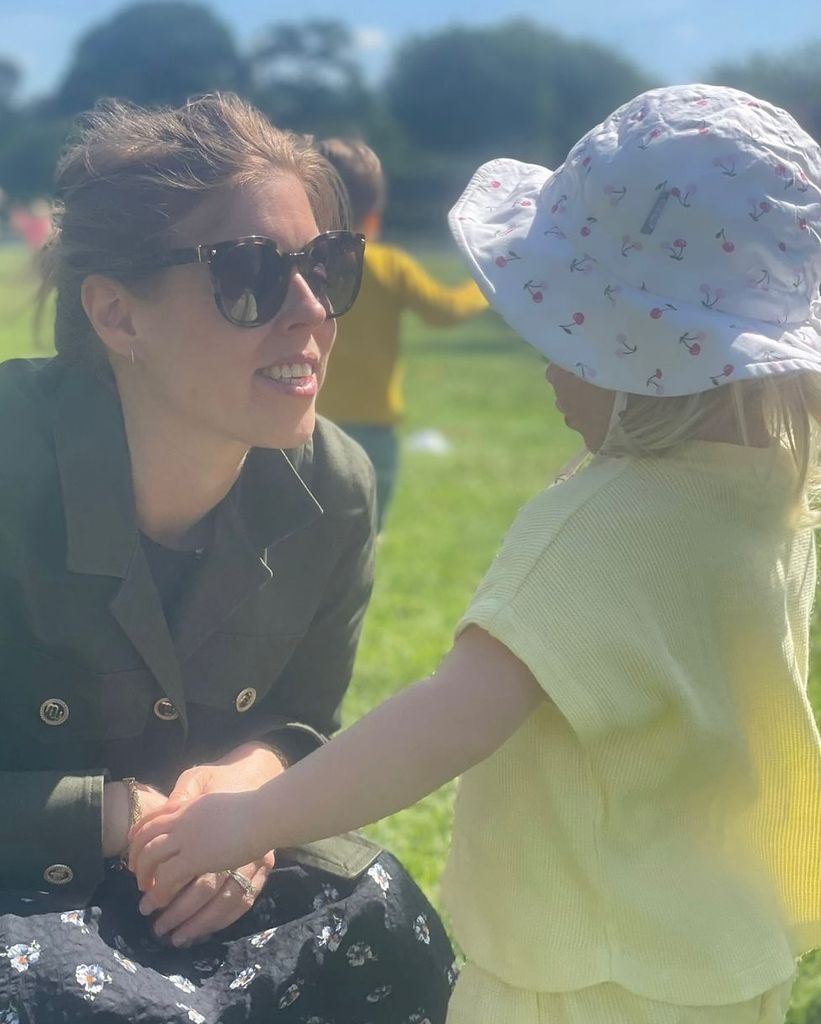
point(792, 82)
point(305, 75)
point(154, 52)
point(450, 98)
point(518, 86)
point(10, 76)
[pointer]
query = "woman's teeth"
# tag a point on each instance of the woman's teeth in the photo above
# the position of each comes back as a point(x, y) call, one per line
point(289, 371)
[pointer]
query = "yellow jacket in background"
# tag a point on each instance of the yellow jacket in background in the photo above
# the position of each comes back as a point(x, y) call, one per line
point(364, 382)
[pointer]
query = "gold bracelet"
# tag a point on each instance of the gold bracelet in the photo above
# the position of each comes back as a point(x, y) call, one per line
point(135, 811)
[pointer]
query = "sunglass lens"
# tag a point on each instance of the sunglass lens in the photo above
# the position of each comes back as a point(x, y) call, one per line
point(251, 282)
point(332, 268)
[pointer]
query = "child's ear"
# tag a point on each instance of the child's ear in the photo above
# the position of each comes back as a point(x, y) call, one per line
point(371, 226)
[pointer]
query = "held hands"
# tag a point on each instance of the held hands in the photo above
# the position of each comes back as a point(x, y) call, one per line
point(182, 851)
point(187, 840)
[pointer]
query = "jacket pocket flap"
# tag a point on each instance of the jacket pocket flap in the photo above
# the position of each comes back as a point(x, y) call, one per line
point(345, 856)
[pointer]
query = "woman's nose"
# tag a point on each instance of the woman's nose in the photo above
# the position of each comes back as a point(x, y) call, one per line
point(301, 306)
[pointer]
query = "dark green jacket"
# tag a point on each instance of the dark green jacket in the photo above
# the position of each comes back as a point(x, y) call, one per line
point(94, 685)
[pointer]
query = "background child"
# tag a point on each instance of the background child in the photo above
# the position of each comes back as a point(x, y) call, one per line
point(636, 837)
point(363, 389)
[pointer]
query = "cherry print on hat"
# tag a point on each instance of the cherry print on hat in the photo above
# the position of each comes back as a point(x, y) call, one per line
point(678, 247)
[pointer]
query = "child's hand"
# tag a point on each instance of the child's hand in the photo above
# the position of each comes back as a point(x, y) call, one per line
point(179, 842)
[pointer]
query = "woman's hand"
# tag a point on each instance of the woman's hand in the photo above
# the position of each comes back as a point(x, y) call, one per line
point(247, 767)
point(210, 903)
point(213, 901)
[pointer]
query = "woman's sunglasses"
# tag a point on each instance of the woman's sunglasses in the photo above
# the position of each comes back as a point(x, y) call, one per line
point(251, 276)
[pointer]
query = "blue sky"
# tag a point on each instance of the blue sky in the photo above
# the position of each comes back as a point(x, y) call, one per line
point(673, 39)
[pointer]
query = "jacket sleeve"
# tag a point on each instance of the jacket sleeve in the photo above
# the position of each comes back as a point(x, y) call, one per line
point(436, 303)
point(51, 833)
point(317, 675)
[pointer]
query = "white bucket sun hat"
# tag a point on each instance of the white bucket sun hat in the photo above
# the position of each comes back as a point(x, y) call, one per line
point(678, 248)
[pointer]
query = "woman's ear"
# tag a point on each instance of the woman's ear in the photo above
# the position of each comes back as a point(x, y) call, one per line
point(110, 310)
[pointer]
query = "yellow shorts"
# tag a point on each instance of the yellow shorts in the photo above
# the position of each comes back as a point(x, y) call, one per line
point(481, 998)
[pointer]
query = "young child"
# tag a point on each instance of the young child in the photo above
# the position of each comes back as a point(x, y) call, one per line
point(637, 829)
point(363, 389)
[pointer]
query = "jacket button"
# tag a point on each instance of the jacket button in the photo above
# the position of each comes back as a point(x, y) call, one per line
point(165, 710)
point(54, 711)
point(246, 699)
point(58, 874)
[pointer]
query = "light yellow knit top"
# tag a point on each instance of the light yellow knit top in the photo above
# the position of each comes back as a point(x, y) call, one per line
point(657, 823)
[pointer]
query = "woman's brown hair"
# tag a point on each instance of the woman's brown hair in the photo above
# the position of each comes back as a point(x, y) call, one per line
point(130, 174)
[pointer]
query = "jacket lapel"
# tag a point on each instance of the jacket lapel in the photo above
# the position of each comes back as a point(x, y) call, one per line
point(137, 609)
point(98, 503)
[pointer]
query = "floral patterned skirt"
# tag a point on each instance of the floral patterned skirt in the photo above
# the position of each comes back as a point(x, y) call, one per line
point(315, 949)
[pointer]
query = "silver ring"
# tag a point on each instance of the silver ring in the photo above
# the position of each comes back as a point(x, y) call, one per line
point(248, 891)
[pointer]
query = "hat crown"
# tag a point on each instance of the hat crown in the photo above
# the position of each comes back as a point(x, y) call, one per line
point(677, 249)
point(703, 181)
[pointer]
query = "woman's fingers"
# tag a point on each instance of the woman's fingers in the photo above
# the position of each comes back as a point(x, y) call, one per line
point(227, 906)
point(191, 899)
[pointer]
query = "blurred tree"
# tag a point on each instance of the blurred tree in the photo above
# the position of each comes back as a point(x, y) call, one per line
point(10, 75)
point(306, 77)
point(153, 52)
point(29, 147)
point(792, 80)
point(516, 88)
point(464, 95)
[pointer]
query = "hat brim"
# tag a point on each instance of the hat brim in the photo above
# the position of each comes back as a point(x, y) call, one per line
point(509, 228)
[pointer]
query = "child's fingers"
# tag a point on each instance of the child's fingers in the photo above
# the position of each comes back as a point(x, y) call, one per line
point(143, 834)
point(153, 854)
point(169, 807)
point(169, 878)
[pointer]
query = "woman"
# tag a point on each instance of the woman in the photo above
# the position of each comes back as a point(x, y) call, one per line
point(185, 561)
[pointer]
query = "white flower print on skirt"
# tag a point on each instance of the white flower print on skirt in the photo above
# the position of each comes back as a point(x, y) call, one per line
point(22, 956)
point(91, 978)
point(183, 984)
point(193, 1015)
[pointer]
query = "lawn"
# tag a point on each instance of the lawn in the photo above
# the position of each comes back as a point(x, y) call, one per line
point(484, 392)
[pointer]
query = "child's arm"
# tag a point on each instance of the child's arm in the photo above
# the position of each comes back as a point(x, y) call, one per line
point(404, 749)
point(436, 303)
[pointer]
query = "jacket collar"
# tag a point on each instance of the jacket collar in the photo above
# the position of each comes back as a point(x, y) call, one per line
point(95, 473)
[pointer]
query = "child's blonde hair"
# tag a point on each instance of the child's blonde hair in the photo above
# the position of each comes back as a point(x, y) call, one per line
point(789, 408)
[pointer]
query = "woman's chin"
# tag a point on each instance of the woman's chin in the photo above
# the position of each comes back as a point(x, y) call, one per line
point(292, 435)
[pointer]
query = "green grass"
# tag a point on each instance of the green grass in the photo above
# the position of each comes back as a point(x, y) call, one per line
point(483, 390)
